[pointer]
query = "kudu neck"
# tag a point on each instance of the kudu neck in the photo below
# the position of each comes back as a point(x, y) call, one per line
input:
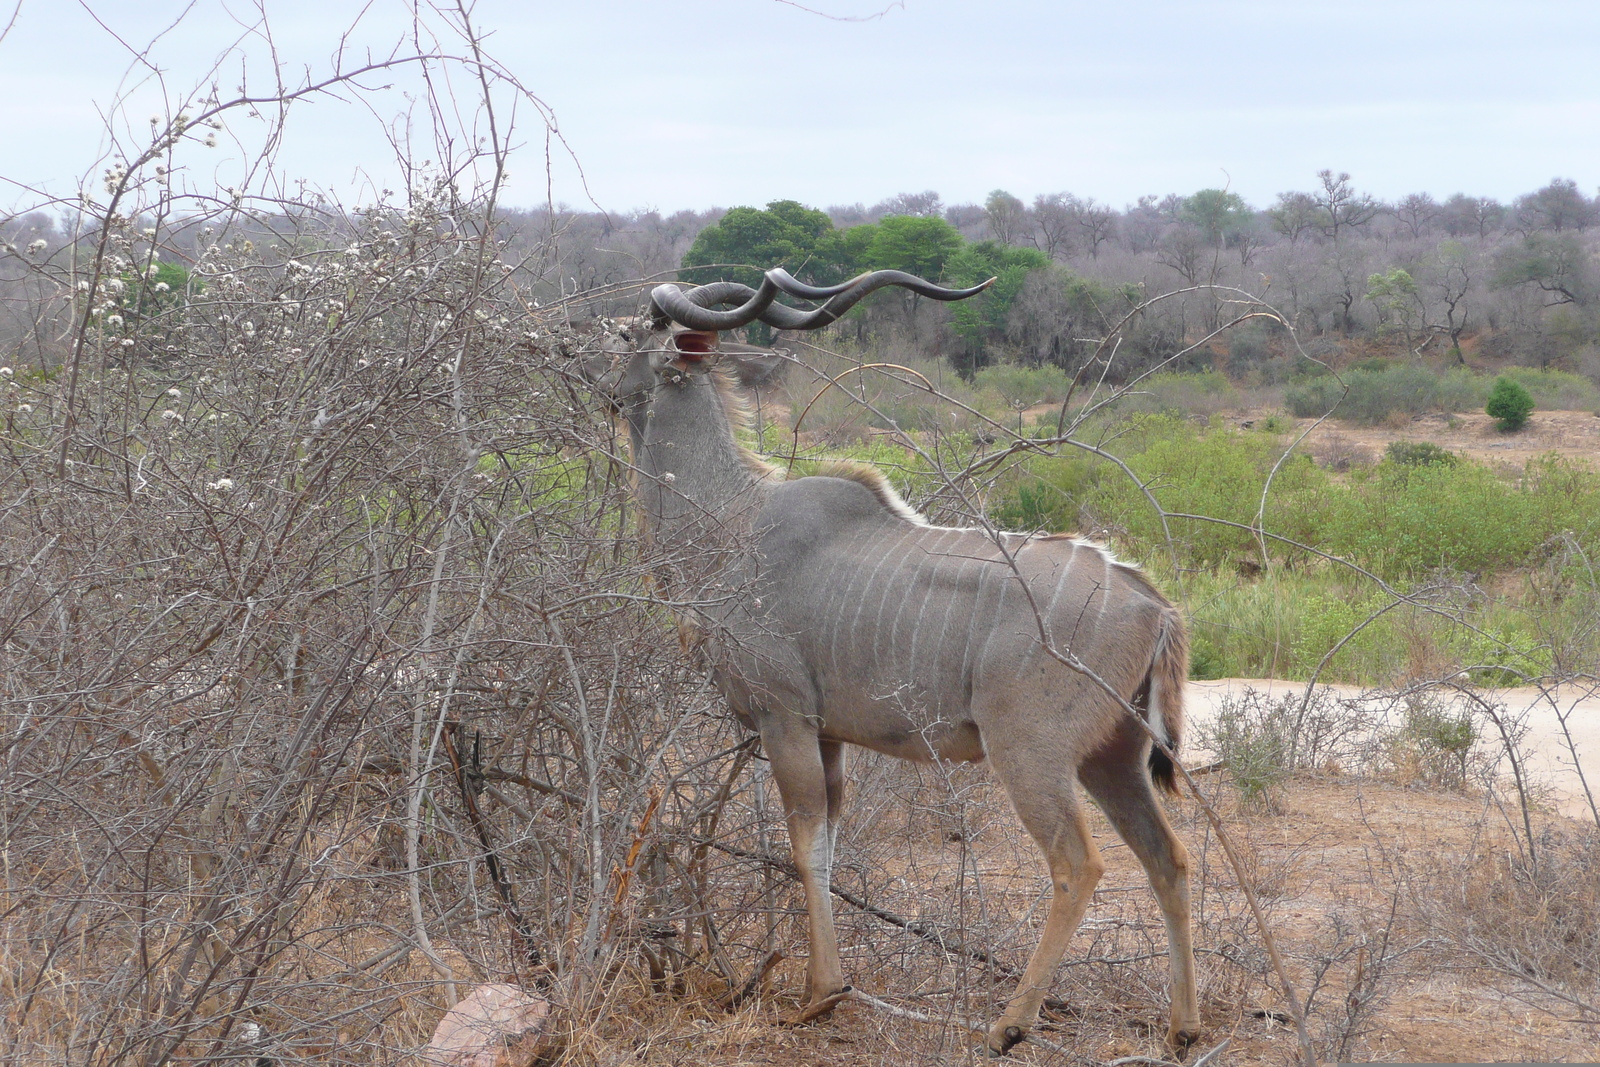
point(695, 483)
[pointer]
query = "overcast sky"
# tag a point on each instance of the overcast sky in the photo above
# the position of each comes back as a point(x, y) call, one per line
point(696, 103)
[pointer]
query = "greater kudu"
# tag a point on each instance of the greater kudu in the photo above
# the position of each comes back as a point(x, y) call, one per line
point(834, 614)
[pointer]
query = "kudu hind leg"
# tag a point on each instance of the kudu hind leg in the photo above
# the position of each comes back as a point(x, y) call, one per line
point(1050, 810)
point(809, 774)
point(1123, 791)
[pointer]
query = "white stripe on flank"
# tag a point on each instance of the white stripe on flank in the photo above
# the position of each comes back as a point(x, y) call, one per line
point(894, 583)
point(1105, 593)
point(843, 598)
point(957, 594)
point(1065, 570)
point(972, 620)
point(930, 569)
point(854, 644)
point(915, 561)
point(1026, 661)
point(1006, 578)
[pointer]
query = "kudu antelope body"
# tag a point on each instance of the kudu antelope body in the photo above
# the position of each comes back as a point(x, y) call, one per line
point(833, 614)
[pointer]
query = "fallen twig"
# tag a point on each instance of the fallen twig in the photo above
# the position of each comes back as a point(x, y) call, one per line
point(736, 998)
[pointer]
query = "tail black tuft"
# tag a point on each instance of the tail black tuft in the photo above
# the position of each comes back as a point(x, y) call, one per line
point(1162, 772)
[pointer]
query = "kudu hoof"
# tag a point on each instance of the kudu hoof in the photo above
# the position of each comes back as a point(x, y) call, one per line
point(1004, 1041)
point(1180, 1038)
point(818, 1008)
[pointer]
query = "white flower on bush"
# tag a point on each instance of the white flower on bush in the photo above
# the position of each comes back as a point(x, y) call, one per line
point(24, 408)
point(5, 372)
point(174, 391)
point(37, 246)
point(171, 416)
point(114, 321)
point(221, 485)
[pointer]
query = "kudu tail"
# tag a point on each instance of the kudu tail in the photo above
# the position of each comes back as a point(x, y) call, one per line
point(1169, 670)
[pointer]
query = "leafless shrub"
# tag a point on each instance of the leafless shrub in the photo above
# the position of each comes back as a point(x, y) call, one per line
point(1348, 985)
point(285, 544)
point(1263, 740)
point(1530, 924)
point(1339, 454)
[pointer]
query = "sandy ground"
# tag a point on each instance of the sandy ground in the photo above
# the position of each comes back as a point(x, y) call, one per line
point(1550, 755)
point(1574, 434)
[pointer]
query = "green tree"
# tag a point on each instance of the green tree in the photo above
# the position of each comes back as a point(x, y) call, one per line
point(842, 254)
point(919, 245)
point(1216, 213)
point(1294, 215)
point(1399, 302)
point(786, 234)
point(1509, 404)
point(982, 319)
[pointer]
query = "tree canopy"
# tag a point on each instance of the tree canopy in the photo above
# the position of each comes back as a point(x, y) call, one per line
point(785, 234)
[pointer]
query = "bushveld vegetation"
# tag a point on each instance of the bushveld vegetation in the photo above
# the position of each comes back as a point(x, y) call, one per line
point(335, 679)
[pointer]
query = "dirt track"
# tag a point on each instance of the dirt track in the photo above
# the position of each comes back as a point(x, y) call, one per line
point(1549, 760)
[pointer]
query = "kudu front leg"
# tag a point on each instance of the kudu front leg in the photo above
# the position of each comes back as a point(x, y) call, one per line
point(810, 779)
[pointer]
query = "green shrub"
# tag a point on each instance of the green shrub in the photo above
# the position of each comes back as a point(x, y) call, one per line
point(1378, 389)
point(1500, 652)
point(1330, 617)
point(1555, 390)
point(1509, 404)
point(1024, 386)
point(1253, 735)
point(1044, 495)
point(1419, 454)
point(1204, 393)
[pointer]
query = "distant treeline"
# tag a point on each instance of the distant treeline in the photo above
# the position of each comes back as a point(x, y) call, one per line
point(1468, 279)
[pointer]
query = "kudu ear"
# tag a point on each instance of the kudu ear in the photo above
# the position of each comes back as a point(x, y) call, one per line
point(754, 365)
point(601, 359)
